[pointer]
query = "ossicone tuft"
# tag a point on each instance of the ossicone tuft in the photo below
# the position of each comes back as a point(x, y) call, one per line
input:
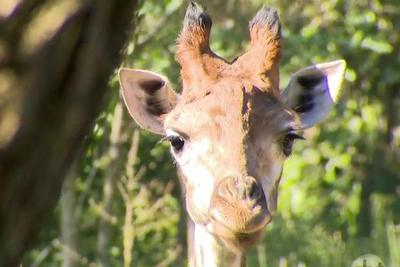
point(197, 17)
point(266, 18)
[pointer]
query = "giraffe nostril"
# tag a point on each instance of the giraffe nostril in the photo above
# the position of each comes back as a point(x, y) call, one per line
point(254, 191)
point(235, 188)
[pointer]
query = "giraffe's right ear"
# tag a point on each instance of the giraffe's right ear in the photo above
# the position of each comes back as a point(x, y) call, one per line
point(148, 97)
point(314, 90)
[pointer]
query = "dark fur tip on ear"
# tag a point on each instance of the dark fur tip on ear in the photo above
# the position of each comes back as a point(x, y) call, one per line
point(309, 82)
point(151, 86)
point(196, 16)
point(155, 106)
point(267, 17)
point(305, 103)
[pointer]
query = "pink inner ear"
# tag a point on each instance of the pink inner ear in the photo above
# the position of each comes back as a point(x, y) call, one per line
point(335, 73)
point(144, 94)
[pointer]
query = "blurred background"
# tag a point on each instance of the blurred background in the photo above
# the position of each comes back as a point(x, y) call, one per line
point(340, 192)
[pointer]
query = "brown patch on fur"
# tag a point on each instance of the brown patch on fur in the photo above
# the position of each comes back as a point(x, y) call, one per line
point(216, 111)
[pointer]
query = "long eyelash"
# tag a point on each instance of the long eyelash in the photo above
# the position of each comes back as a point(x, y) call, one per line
point(166, 138)
point(163, 139)
point(296, 136)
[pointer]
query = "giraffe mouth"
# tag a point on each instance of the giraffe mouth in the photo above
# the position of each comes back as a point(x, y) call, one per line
point(238, 223)
point(239, 218)
point(239, 232)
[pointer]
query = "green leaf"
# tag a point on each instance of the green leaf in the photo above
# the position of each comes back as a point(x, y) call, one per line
point(378, 46)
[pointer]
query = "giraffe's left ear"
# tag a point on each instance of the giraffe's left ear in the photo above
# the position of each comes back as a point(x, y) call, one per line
point(312, 91)
point(148, 97)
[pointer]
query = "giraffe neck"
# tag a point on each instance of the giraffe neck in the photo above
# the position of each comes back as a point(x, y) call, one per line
point(206, 251)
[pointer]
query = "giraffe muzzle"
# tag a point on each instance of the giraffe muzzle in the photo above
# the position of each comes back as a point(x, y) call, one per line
point(239, 205)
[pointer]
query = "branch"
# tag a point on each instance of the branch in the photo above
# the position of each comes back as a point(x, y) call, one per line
point(43, 254)
point(173, 254)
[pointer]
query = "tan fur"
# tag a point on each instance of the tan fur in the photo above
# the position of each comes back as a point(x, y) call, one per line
point(241, 122)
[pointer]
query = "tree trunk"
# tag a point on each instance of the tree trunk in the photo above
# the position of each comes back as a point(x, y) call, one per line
point(49, 99)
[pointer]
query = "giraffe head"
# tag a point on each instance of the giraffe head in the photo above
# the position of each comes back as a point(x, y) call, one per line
point(231, 128)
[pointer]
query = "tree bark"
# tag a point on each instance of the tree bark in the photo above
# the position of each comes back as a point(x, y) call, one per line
point(58, 90)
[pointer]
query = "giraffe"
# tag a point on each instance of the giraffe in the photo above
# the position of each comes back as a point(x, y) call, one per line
point(230, 129)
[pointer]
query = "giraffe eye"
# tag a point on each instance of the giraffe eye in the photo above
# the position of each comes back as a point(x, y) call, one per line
point(176, 141)
point(287, 143)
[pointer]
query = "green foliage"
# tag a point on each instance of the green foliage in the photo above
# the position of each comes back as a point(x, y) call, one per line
point(339, 197)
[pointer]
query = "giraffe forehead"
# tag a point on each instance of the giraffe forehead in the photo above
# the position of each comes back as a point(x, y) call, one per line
point(216, 111)
point(227, 112)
